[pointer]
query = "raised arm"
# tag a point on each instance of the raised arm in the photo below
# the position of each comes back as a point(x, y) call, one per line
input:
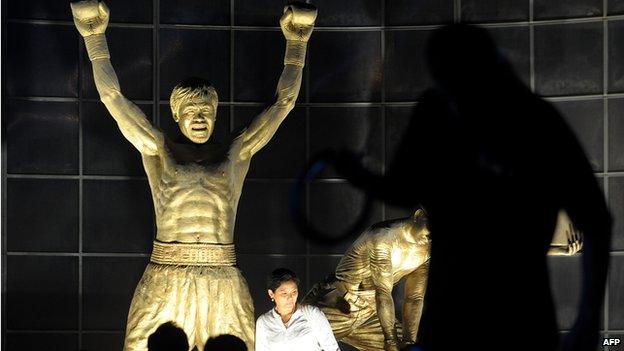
point(91, 19)
point(381, 269)
point(297, 24)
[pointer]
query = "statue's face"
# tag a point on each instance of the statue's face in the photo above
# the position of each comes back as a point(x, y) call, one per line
point(196, 119)
point(419, 228)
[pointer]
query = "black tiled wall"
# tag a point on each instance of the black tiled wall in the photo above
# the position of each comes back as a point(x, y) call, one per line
point(77, 207)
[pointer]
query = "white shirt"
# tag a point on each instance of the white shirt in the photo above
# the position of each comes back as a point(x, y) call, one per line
point(307, 330)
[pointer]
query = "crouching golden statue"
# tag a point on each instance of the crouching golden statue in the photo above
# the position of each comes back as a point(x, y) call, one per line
point(358, 300)
point(192, 279)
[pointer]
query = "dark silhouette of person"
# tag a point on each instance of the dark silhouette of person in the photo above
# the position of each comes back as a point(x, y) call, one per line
point(225, 342)
point(492, 164)
point(168, 337)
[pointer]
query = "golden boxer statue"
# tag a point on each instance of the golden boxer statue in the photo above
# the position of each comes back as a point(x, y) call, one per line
point(358, 300)
point(192, 279)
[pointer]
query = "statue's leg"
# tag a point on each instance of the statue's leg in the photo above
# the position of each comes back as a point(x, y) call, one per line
point(161, 296)
point(367, 335)
point(224, 306)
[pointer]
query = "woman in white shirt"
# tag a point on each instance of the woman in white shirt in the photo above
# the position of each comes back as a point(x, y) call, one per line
point(291, 326)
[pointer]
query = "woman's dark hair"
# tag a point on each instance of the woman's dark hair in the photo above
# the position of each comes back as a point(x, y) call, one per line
point(279, 276)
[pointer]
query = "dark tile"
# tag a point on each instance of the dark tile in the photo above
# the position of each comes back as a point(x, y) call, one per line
point(195, 53)
point(397, 121)
point(108, 286)
point(258, 12)
point(41, 293)
point(599, 347)
point(42, 341)
point(586, 118)
point(258, 63)
point(42, 137)
point(358, 129)
point(136, 11)
point(616, 293)
point(105, 150)
point(42, 223)
point(352, 72)
point(334, 208)
point(131, 56)
point(513, 43)
point(616, 204)
point(264, 223)
point(321, 267)
point(256, 269)
point(348, 13)
point(42, 60)
point(39, 9)
point(565, 282)
point(394, 212)
point(616, 56)
point(217, 12)
point(568, 59)
point(140, 11)
point(118, 216)
point(547, 9)
point(409, 12)
point(407, 75)
point(494, 10)
point(171, 129)
point(102, 341)
point(616, 134)
point(284, 155)
point(616, 7)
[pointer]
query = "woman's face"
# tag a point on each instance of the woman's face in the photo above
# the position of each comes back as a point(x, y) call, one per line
point(285, 296)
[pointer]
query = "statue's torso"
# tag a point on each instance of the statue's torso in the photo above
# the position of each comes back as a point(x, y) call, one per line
point(196, 193)
point(356, 267)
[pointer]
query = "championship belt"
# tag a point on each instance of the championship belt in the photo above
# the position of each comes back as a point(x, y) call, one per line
point(193, 254)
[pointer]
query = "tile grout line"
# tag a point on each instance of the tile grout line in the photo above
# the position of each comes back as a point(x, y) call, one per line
point(307, 155)
point(605, 141)
point(531, 48)
point(383, 100)
point(4, 186)
point(81, 68)
point(232, 53)
point(457, 17)
point(156, 81)
point(310, 104)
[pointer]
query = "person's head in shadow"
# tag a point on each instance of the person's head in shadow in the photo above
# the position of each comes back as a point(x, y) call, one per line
point(168, 337)
point(464, 60)
point(225, 342)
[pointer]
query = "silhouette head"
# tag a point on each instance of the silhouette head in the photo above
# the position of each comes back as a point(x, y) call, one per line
point(225, 342)
point(462, 57)
point(168, 337)
point(194, 107)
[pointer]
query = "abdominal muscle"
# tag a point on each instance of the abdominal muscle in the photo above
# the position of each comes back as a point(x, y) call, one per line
point(195, 212)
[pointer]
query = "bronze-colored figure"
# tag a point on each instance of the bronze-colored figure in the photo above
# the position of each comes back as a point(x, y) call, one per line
point(358, 300)
point(192, 279)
